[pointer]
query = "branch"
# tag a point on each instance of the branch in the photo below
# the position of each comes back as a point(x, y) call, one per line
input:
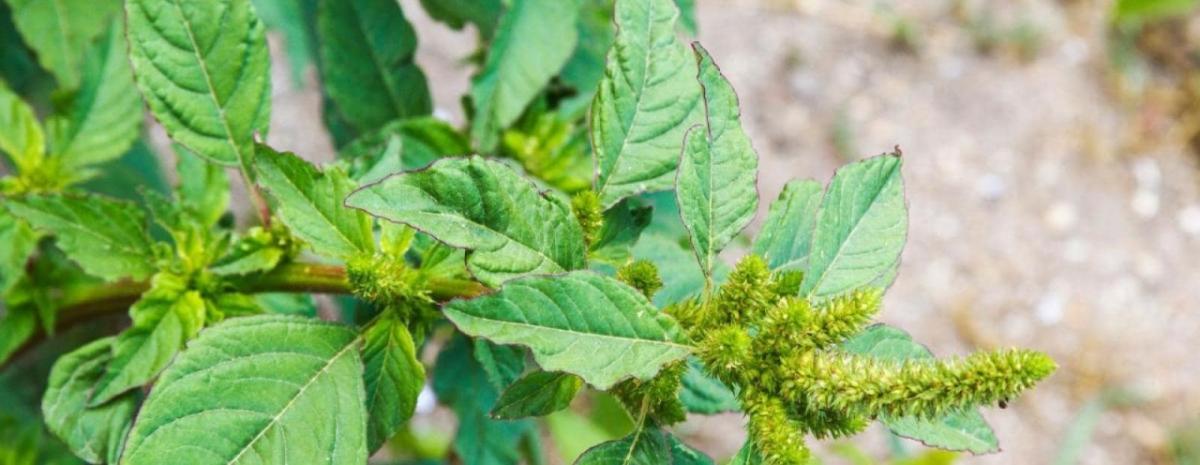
point(116, 298)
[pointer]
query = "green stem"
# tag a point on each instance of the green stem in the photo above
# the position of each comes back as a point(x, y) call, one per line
point(309, 278)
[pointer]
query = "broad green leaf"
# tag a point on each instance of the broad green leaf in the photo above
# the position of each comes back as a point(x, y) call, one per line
point(257, 251)
point(502, 364)
point(718, 171)
point(623, 225)
point(310, 203)
point(585, 68)
point(126, 178)
point(536, 394)
point(60, 32)
point(262, 389)
point(393, 378)
point(16, 327)
point(860, 228)
point(648, 98)
point(203, 187)
point(293, 19)
point(682, 454)
point(702, 393)
point(650, 447)
point(94, 434)
point(162, 323)
point(105, 237)
point(484, 14)
point(786, 235)
point(105, 116)
point(747, 456)
point(510, 227)
point(420, 141)
point(534, 40)
point(287, 304)
point(581, 323)
point(367, 67)
point(19, 243)
point(460, 382)
point(964, 430)
point(21, 136)
point(204, 71)
point(687, 16)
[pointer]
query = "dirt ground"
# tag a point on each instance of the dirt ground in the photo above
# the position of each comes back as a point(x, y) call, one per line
point(1039, 218)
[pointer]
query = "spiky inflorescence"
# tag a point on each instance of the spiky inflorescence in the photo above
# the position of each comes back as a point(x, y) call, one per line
point(641, 275)
point(660, 394)
point(778, 437)
point(747, 293)
point(923, 387)
point(782, 351)
point(589, 212)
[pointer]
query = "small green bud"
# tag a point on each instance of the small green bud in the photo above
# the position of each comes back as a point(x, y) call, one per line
point(661, 392)
point(779, 439)
point(746, 294)
point(641, 275)
point(589, 212)
point(787, 283)
point(385, 280)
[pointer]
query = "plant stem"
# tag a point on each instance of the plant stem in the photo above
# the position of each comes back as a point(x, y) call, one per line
point(116, 298)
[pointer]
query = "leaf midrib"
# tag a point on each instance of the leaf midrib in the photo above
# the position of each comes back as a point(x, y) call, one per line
point(212, 91)
point(299, 393)
point(853, 230)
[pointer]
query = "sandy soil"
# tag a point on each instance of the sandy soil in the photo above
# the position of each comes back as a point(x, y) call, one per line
point(1036, 219)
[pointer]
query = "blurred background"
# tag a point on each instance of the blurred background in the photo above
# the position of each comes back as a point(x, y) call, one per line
point(1051, 152)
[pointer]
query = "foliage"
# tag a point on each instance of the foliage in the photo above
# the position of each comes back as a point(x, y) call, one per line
point(487, 242)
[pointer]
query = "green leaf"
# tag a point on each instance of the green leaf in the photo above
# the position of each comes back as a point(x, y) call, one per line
point(16, 327)
point(681, 275)
point(511, 228)
point(204, 71)
point(650, 447)
point(21, 136)
point(502, 364)
point(19, 243)
point(393, 378)
point(162, 323)
point(584, 70)
point(963, 431)
point(702, 393)
point(786, 235)
point(310, 203)
point(648, 98)
point(256, 251)
point(623, 225)
point(460, 382)
point(203, 187)
point(716, 187)
point(94, 434)
point(536, 394)
point(860, 228)
point(367, 67)
point(262, 389)
point(484, 14)
point(105, 237)
point(293, 19)
point(417, 142)
point(61, 31)
point(138, 170)
point(682, 454)
point(105, 116)
point(534, 40)
point(747, 456)
point(687, 16)
point(581, 323)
